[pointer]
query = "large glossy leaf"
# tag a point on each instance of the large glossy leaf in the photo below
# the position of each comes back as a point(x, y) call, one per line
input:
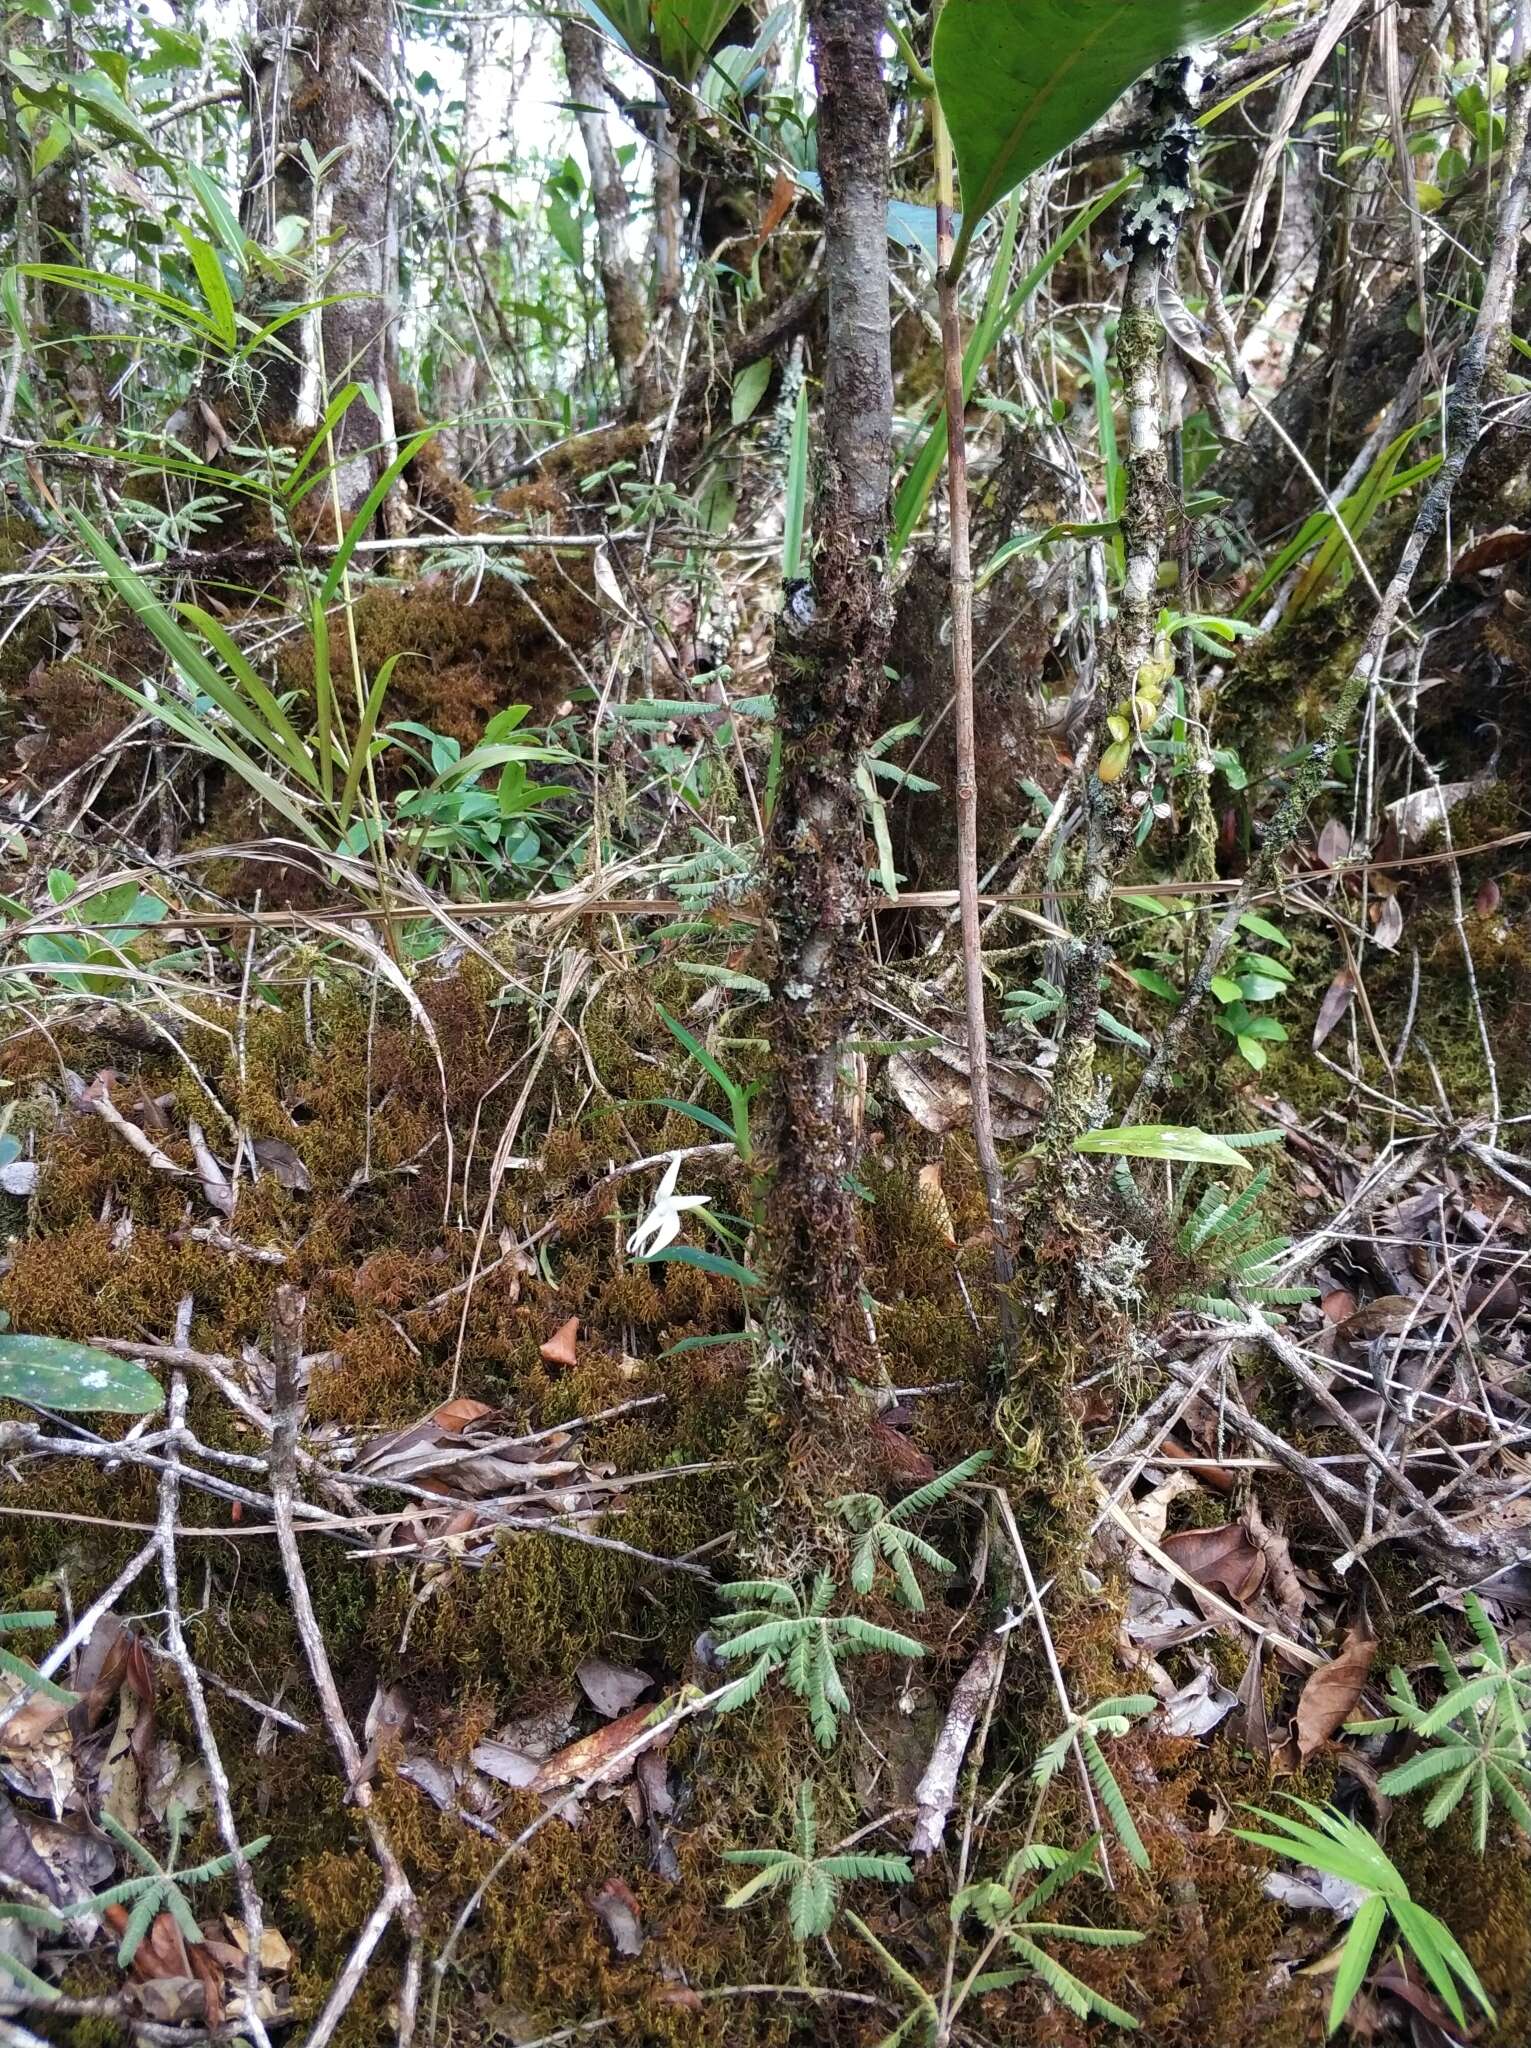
point(56, 1374)
point(1019, 80)
point(686, 31)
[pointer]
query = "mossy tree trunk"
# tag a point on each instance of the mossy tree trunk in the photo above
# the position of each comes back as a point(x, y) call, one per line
point(626, 316)
point(831, 645)
point(321, 74)
point(462, 382)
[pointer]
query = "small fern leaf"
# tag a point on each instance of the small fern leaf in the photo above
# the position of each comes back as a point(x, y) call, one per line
point(1111, 1798)
point(938, 1489)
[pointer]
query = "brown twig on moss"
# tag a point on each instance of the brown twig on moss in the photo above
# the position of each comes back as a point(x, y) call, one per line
point(196, 1701)
point(398, 1898)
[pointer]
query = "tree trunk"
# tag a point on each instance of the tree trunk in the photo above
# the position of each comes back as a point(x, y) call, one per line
point(626, 315)
point(462, 439)
point(831, 644)
point(667, 211)
point(321, 72)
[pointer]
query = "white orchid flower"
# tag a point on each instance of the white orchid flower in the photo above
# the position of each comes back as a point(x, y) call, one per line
point(662, 1224)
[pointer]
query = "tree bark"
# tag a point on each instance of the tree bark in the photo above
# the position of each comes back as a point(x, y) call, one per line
point(831, 645)
point(462, 380)
point(322, 74)
point(626, 315)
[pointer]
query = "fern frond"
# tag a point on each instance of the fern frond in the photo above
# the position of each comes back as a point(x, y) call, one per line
point(1112, 1799)
point(765, 1635)
point(748, 1685)
point(937, 1489)
point(858, 1634)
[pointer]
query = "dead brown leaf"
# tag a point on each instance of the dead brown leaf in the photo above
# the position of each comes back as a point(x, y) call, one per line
point(1337, 1000)
point(562, 1348)
point(1506, 544)
point(1329, 1697)
point(784, 190)
point(611, 1688)
point(617, 1910)
point(276, 1157)
point(1329, 1694)
point(588, 1756)
point(1225, 1558)
point(1251, 1718)
point(1282, 1584)
point(455, 1416)
point(1333, 843)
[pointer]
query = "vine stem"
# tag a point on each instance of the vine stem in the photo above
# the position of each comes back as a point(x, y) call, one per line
point(962, 698)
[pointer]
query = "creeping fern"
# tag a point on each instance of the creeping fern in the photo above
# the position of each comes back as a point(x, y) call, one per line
point(1476, 1731)
point(1006, 1912)
point(1106, 1717)
point(815, 1880)
point(884, 1533)
point(782, 1630)
point(1224, 1236)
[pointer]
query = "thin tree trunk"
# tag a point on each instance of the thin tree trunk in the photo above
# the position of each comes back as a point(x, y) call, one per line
point(667, 213)
point(962, 704)
point(829, 685)
point(1152, 231)
point(626, 315)
point(322, 72)
point(461, 439)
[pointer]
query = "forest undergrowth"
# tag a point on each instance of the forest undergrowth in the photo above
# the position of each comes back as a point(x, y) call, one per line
point(763, 1163)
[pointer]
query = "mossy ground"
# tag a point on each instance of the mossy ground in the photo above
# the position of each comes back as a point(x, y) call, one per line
point(384, 1234)
point(358, 1095)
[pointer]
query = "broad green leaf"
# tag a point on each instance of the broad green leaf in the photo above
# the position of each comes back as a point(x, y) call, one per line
point(686, 31)
point(217, 212)
point(74, 1377)
point(1355, 1958)
point(749, 389)
point(625, 21)
point(1019, 80)
point(1162, 1141)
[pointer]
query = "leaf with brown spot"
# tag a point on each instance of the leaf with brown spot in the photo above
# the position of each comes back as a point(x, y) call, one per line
point(1388, 929)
